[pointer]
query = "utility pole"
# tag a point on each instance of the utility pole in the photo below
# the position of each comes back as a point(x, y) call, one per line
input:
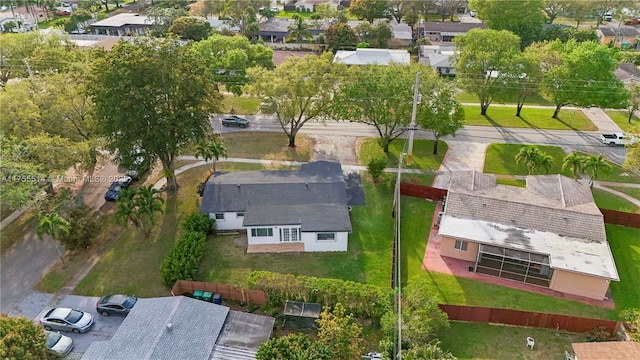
point(412, 126)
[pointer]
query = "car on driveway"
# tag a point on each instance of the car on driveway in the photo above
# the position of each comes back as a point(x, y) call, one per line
point(58, 344)
point(114, 190)
point(115, 304)
point(66, 319)
point(234, 120)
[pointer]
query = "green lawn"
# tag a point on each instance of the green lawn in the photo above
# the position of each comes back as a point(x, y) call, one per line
point(619, 174)
point(423, 157)
point(625, 246)
point(607, 200)
point(465, 97)
point(242, 105)
point(500, 159)
point(267, 146)
point(486, 341)
point(535, 118)
point(367, 260)
point(621, 118)
point(633, 192)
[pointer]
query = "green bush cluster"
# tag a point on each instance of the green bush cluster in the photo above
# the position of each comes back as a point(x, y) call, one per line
point(184, 260)
point(199, 222)
point(360, 300)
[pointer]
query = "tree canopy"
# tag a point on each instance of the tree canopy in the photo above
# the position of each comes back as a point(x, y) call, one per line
point(440, 112)
point(293, 347)
point(369, 9)
point(20, 338)
point(190, 28)
point(156, 95)
point(523, 18)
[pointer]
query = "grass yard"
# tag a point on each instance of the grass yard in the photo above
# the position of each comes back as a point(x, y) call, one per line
point(416, 215)
point(419, 179)
point(607, 200)
point(267, 146)
point(621, 117)
point(535, 118)
point(485, 341)
point(423, 157)
point(633, 192)
point(18, 228)
point(625, 246)
point(243, 105)
point(500, 159)
point(368, 259)
point(465, 97)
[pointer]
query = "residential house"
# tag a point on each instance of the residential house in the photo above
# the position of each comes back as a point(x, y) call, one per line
point(283, 211)
point(275, 30)
point(627, 73)
point(549, 234)
point(619, 36)
point(310, 5)
point(179, 327)
point(123, 24)
point(439, 57)
point(402, 35)
point(372, 56)
point(445, 32)
point(618, 350)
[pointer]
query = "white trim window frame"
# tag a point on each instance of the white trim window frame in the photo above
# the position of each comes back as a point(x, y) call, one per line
point(218, 216)
point(261, 232)
point(461, 245)
point(326, 236)
point(290, 235)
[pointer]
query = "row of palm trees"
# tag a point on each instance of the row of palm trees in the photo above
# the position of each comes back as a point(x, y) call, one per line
point(536, 160)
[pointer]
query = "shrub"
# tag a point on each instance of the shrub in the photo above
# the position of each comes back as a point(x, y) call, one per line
point(199, 222)
point(361, 300)
point(376, 168)
point(84, 226)
point(293, 347)
point(183, 261)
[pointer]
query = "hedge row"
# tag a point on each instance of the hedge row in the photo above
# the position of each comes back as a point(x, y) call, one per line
point(361, 300)
point(184, 260)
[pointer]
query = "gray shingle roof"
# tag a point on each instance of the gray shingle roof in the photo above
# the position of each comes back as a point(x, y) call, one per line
point(622, 31)
point(294, 193)
point(432, 26)
point(550, 203)
point(144, 334)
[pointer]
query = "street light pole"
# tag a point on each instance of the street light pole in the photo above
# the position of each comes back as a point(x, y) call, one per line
point(412, 126)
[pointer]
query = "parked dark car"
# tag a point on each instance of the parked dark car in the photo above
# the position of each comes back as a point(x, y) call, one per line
point(234, 120)
point(115, 304)
point(66, 319)
point(123, 182)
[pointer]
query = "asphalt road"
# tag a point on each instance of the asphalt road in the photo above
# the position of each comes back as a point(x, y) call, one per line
point(585, 141)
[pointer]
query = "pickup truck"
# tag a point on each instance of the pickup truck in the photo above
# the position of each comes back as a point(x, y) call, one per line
point(616, 139)
point(234, 120)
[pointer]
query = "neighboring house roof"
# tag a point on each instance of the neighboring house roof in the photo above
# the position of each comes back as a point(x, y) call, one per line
point(280, 56)
point(622, 31)
point(124, 19)
point(438, 56)
point(372, 56)
point(195, 326)
point(314, 196)
point(218, 24)
point(451, 27)
point(554, 215)
point(311, 3)
point(275, 25)
point(619, 350)
point(401, 31)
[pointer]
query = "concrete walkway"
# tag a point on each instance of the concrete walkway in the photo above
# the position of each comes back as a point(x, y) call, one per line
point(460, 156)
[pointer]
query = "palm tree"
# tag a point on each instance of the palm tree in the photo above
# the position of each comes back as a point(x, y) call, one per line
point(213, 149)
point(534, 159)
point(148, 203)
point(574, 162)
point(127, 209)
point(595, 165)
point(299, 29)
point(53, 225)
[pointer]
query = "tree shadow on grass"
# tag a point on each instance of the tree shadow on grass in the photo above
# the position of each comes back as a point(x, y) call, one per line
point(507, 134)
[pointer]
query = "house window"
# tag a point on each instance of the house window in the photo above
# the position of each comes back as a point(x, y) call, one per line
point(239, 214)
point(262, 232)
point(326, 236)
point(219, 216)
point(289, 235)
point(461, 245)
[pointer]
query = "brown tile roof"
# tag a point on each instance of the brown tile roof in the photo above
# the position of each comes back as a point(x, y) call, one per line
point(618, 350)
point(551, 203)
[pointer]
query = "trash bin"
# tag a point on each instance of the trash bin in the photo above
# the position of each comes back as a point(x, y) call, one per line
point(198, 294)
point(207, 296)
point(217, 299)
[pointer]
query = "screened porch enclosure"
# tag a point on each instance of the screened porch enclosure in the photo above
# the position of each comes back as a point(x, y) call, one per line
point(516, 265)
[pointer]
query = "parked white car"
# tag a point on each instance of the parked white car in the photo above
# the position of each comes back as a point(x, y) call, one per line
point(58, 344)
point(66, 319)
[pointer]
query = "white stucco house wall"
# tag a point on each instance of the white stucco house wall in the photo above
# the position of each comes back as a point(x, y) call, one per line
point(372, 57)
point(283, 211)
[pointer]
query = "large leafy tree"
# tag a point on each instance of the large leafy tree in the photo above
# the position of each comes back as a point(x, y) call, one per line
point(632, 161)
point(578, 10)
point(155, 95)
point(21, 338)
point(534, 159)
point(230, 56)
point(55, 226)
point(22, 181)
point(340, 333)
point(205, 8)
point(399, 8)
point(440, 112)
point(523, 78)
point(553, 9)
point(190, 28)
point(633, 101)
point(579, 74)
point(340, 35)
point(484, 59)
point(380, 96)
point(369, 9)
point(293, 347)
point(242, 13)
point(300, 90)
point(448, 8)
point(376, 35)
point(523, 18)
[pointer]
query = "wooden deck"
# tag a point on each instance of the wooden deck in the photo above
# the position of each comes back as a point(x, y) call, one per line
point(275, 248)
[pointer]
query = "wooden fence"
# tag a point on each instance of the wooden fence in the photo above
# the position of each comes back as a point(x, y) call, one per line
point(257, 297)
point(526, 318)
point(621, 218)
point(421, 191)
